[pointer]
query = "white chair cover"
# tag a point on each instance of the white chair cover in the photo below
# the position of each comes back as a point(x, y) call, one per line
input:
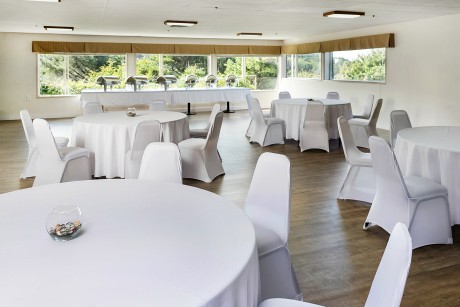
point(200, 158)
point(268, 205)
point(359, 183)
point(362, 129)
point(161, 162)
point(145, 133)
point(333, 95)
point(203, 132)
point(390, 279)
point(157, 105)
point(58, 164)
point(366, 113)
point(251, 123)
point(420, 203)
point(314, 133)
point(266, 131)
point(284, 95)
point(92, 108)
point(399, 119)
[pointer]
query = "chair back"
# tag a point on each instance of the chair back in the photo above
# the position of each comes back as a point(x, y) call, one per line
point(284, 95)
point(388, 176)
point(390, 279)
point(399, 120)
point(28, 128)
point(215, 110)
point(368, 106)
point(146, 133)
point(214, 131)
point(314, 112)
point(92, 108)
point(375, 113)
point(350, 150)
point(269, 196)
point(45, 140)
point(333, 95)
point(157, 105)
point(257, 113)
point(249, 102)
point(161, 162)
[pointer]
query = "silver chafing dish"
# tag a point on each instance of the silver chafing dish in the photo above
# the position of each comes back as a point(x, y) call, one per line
point(108, 81)
point(230, 80)
point(211, 81)
point(191, 80)
point(137, 81)
point(166, 80)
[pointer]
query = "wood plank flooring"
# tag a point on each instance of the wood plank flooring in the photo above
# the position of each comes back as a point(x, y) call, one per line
point(335, 260)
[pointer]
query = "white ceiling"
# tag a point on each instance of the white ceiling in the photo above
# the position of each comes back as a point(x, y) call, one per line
point(276, 19)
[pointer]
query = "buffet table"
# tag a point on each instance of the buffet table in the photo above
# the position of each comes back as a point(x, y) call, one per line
point(434, 153)
point(108, 136)
point(292, 111)
point(236, 96)
point(142, 244)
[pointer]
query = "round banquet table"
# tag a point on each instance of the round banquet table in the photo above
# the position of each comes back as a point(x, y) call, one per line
point(142, 244)
point(434, 153)
point(108, 136)
point(292, 111)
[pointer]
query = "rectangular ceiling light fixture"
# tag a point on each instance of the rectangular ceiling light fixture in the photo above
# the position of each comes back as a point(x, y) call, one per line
point(248, 34)
point(45, 0)
point(179, 23)
point(343, 14)
point(59, 28)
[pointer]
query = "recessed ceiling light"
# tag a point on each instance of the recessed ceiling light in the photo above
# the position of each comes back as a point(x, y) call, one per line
point(58, 28)
point(343, 14)
point(179, 23)
point(249, 34)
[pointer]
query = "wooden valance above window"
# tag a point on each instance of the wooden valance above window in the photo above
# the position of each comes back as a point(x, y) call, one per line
point(354, 43)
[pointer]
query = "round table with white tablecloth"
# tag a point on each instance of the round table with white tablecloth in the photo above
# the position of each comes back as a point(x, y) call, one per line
point(143, 243)
point(108, 136)
point(292, 111)
point(433, 153)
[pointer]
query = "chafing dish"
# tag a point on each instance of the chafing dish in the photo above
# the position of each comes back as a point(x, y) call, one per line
point(137, 81)
point(108, 80)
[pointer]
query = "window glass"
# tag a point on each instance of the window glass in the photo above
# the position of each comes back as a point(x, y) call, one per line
point(261, 73)
point(358, 65)
point(182, 66)
point(148, 65)
point(303, 66)
point(229, 66)
point(70, 74)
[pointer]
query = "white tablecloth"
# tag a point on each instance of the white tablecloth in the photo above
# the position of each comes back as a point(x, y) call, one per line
point(143, 244)
point(236, 96)
point(434, 153)
point(292, 111)
point(108, 136)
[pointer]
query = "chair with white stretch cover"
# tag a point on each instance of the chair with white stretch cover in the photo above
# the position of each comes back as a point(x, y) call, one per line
point(389, 281)
point(267, 131)
point(250, 129)
point(314, 132)
point(145, 133)
point(362, 128)
point(284, 95)
point(359, 183)
point(33, 156)
point(333, 95)
point(399, 119)
point(366, 112)
point(157, 105)
point(420, 203)
point(161, 162)
point(203, 132)
point(58, 164)
point(92, 108)
point(267, 205)
point(200, 158)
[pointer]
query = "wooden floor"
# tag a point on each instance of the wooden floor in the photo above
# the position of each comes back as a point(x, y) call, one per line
point(335, 260)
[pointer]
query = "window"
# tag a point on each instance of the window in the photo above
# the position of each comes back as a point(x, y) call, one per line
point(61, 74)
point(229, 66)
point(303, 66)
point(357, 65)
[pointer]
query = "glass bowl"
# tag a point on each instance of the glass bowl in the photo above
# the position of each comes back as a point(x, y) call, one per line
point(131, 112)
point(64, 222)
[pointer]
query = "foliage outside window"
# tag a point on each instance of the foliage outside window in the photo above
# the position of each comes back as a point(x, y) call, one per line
point(358, 65)
point(303, 66)
point(61, 74)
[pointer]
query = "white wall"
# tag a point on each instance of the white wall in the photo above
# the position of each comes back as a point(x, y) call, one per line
point(423, 73)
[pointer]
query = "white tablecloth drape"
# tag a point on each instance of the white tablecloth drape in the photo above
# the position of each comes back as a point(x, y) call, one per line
point(143, 244)
point(434, 153)
point(236, 96)
point(108, 136)
point(292, 111)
